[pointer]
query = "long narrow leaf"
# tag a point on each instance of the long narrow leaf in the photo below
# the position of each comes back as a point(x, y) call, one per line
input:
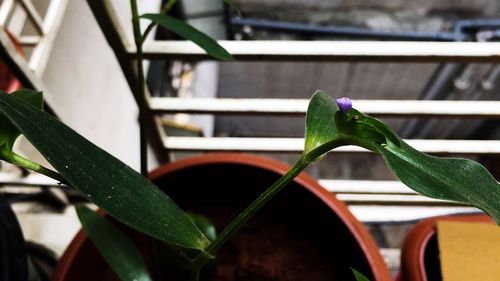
point(9, 133)
point(103, 179)
point(320, 125)
point(116, 248)
point(454, 179)
point(192, 34)
point(460, 180)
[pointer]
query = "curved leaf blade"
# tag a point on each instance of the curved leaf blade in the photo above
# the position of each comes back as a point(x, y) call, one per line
point(320, 125)
point(116, 248)
point(452, 179)
point(190, 33)
point(358, 125)
point(455, 179)
point(327, 128)
point(109, 183)
point(8, 132)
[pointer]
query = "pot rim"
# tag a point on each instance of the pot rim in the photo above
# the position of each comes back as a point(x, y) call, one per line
point(416, 241)
point(356, 228)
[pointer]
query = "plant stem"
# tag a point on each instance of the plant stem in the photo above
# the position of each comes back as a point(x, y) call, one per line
point(197, 264)
point(164, 10)
point(256, 205)
point(141, 93)
point(20, 161)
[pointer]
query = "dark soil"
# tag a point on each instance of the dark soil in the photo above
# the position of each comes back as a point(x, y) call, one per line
point(263, 251)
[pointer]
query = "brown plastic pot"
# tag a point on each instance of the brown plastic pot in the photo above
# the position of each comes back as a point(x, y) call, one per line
point(420, 252)
point(221, 185)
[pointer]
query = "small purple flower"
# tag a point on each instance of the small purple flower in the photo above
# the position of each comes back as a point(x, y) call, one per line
point(344, 104)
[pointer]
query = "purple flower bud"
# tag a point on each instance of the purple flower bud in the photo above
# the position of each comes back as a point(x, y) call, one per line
point(344, 104)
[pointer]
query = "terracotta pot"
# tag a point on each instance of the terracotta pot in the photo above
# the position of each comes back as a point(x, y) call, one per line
point(420, 254)
point(320, 228)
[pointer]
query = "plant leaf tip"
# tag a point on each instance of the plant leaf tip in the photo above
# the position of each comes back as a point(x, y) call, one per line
point(344, 104)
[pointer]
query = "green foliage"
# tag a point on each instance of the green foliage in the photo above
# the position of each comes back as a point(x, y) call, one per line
point(328, 128)
point(8, 132)
point(135, 201)
point(452, 179)
point(455, 179)
point(103, 179)
point(190, 33)
point(321, 132)
point(116, 248)
point(359, 276)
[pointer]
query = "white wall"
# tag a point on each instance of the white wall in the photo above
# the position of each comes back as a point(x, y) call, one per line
point(92, 95)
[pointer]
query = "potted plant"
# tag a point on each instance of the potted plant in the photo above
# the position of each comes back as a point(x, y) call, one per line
point(185, 239)
point(293, 238)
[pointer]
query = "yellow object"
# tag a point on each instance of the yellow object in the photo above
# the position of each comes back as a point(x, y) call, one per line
point(469, 251)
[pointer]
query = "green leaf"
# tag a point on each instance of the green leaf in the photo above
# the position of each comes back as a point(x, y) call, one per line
point(204, 224)
point(364, 128)
point(455, 179)
point(358, 275)
point(327, 128)
point(452, 179)
point(9, 133)
point(190, 33)
point(321, 130)
point(103, 179)
point(116, 248)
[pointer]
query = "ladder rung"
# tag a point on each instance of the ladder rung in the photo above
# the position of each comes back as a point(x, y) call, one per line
point(32, 180)
point(391, 199)
point(5, 11)
point(331, 50)
point(384, 213)
point(30, 40)
point(34, 16)
point(297, 144)
point(366, 186)
point(413, 108)
point(366, 207)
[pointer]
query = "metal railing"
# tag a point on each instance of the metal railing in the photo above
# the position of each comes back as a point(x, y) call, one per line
point(381, 108)
point(393, 51)
point(45, 28)
point(14, 16)
point(369, 200)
